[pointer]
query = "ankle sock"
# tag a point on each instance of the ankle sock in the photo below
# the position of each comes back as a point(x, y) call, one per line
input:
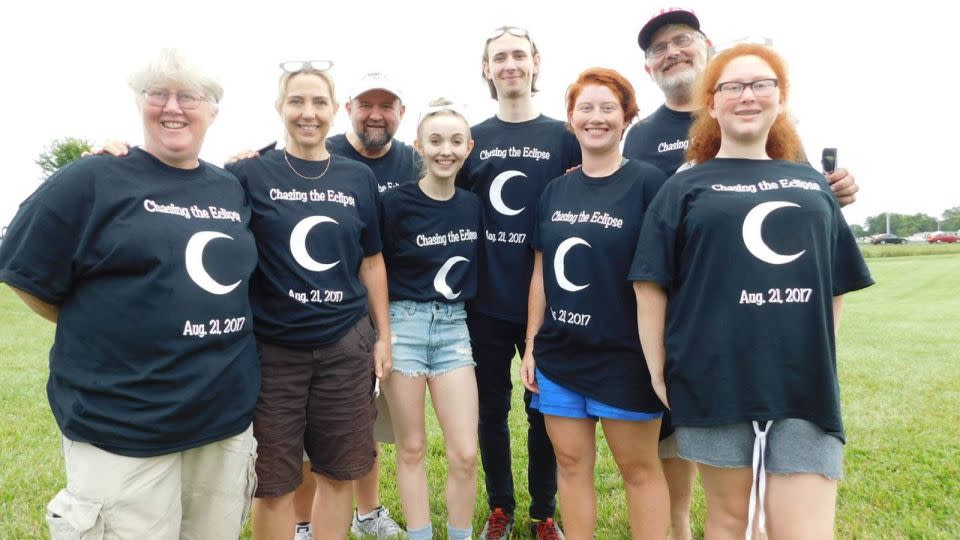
point(459, 534)
point(423, 533)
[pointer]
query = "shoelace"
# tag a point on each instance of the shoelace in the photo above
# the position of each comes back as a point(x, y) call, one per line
point(497, 523)
point(759, 487)
point(386, 524)
point(547, 530)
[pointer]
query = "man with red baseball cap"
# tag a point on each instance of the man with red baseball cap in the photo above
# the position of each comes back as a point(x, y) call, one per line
point(676, 51)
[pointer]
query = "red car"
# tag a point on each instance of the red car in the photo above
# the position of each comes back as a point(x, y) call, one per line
point(943, 237)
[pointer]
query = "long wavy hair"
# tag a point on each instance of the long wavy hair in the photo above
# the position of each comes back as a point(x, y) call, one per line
point(782, 141)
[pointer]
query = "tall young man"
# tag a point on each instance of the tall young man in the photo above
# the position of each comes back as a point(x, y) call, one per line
point(516, 153)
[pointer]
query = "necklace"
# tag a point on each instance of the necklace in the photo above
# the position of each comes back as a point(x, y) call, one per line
point(325, 169)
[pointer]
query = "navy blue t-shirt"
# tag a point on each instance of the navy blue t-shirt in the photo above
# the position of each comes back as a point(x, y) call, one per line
point(430, 246)
point(510, 165)
point(401, 164)
point(312, 236)
point(660, 139)
point(587, 229)
point(751, 254)
point(150, 266)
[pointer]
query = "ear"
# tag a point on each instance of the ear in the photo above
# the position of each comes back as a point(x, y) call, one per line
point(401, 112)
point(647, 69)
point(418, 146)
point(349, 107)
point(469, 148)
point(711, 108)
point(536, 63)
point(486, 70)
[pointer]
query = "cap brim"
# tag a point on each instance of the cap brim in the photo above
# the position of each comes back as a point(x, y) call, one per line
point(671, 17)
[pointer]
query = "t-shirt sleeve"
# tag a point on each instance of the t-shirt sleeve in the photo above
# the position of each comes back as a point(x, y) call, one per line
point(41, 252)
point(370, 216)
point(850, 272)
point(656, 255)
point(571, 151)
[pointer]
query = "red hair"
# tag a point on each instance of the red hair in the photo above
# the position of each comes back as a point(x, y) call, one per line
point(782, 141)
point(617, 83)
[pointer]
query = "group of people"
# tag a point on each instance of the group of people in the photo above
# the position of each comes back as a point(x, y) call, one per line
point(228, 335)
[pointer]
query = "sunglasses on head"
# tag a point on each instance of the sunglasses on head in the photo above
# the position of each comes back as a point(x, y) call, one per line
point(296, 66)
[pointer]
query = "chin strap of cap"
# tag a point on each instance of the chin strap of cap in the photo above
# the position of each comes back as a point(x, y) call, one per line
point(758, 490)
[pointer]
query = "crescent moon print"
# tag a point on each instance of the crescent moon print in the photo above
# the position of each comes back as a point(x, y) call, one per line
point(440, 281)
point(558, 264)
point(298, 244)
point(753, 238)
point(194, 263)
point(496, 197)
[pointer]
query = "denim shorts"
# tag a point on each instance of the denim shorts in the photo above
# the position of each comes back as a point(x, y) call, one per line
point(556, 400)
point(429, 338)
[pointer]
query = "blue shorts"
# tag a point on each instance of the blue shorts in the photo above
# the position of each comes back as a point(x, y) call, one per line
point(556, 400)
point(429, 338)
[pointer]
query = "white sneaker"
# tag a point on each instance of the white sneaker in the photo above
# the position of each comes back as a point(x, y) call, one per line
point(303, 532)
point(381, 526)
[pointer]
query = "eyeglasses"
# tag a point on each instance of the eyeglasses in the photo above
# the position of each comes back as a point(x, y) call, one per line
point(512, 30)
point(679, 41)
point(159, 97)
point(296, 66)
point(733, 90)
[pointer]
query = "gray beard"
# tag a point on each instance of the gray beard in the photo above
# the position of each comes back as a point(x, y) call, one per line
point(679, 88)
point(374, 143)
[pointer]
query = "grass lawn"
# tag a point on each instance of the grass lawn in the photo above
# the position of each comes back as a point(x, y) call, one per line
point(899, 364)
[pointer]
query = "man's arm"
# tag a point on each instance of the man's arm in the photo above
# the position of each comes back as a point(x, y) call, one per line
point(50, 312)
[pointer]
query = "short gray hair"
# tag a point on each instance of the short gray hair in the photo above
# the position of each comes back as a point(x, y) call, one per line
point(173, 65)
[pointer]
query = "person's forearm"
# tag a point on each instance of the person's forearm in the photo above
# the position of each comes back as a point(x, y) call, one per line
point(536, 299)
point(373, 275)
point(837, 310)
point(651, 320)
point(50, 312)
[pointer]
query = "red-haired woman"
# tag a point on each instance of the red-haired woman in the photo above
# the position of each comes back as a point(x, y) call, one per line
point(583, 358)
point(740, 268)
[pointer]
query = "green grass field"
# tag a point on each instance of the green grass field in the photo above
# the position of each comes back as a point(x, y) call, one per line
point(899, 364)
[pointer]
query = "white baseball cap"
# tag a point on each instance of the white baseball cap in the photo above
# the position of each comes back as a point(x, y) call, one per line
point(375, 81)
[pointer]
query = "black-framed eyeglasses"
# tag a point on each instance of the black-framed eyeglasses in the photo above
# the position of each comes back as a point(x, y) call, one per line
point(512, 30)
point(733, 90)
point(296, 66)
point(158, 97)
point(679, 41)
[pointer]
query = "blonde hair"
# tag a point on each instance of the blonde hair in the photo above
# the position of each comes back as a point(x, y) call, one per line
point(442, 106)
point(285, 83)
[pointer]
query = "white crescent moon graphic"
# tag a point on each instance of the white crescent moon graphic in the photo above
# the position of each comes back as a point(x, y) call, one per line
point(496, 198)
point(298, 244)
point(558, 264)
point(752, 238)
point(440, 281)
point(194, 263)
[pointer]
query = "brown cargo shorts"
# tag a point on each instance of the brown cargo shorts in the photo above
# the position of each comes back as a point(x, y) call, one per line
point(319, 400)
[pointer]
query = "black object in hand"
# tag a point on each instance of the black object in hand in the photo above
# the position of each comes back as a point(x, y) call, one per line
point(829, 160)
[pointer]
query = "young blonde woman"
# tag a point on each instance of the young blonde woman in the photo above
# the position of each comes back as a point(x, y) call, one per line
point(431, 234)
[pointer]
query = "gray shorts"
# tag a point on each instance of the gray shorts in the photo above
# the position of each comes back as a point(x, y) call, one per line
point(793, 446)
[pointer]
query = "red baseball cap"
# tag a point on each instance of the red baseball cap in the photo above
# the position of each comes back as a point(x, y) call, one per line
point(665, 16)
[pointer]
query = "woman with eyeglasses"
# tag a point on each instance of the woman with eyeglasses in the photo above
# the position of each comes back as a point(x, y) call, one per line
point(144, 265)
point(320, 308)
point(583, 360)
point(740, 270)
point(431, 232)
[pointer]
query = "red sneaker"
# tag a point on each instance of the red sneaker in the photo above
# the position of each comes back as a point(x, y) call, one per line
point(546, 530)
point(498, 526)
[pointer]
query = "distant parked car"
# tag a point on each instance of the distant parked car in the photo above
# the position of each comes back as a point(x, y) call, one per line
point(943, 237)
point(888, 239)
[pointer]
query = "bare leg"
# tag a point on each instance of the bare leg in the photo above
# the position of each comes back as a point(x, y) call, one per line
point(454, 396)
point(303, 496)
point(331, 520)
point(680, 475)
point(728, 500)
point(406, 396)
point(366, 490)
point(634, 448)
point(574, 442)
point(800, 506)
point(273, 517)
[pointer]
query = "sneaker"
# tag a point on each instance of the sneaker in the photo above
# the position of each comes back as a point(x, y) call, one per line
point(498, 526)
point(381, 526)
point(303, 532)
point(546, 530)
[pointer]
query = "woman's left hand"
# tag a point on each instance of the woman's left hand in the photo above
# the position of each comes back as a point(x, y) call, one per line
point(382, 358)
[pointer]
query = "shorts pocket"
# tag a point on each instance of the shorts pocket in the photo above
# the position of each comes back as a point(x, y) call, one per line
point(71, 518)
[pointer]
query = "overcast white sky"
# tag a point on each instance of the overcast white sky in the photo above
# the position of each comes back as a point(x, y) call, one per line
point(858, 85)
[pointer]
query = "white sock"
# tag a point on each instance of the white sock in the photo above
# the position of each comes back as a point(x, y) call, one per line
point(373, 513)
